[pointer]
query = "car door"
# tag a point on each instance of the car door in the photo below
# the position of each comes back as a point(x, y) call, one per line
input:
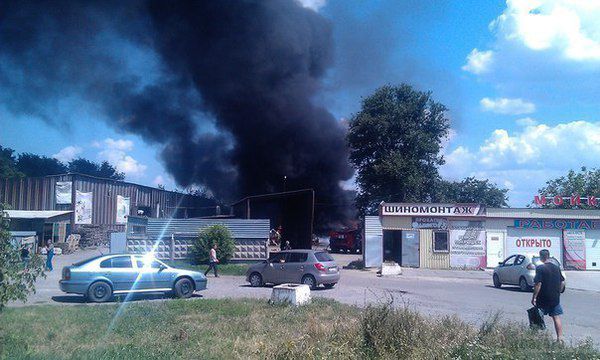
point(518, 269)
point(295, 267)
point(153, 274)
point(273, 272)
point(120, 271)
point(504, 269)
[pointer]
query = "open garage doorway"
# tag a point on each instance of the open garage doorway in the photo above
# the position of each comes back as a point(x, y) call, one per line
point(402, 247)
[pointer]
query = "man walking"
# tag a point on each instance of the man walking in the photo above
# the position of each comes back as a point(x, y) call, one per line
point(212, 260)
point(546, 293)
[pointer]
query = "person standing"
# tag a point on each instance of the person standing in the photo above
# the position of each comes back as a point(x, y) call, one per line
point(49, 255)
point(212, 260)
point(25, 255)
point(546, 292)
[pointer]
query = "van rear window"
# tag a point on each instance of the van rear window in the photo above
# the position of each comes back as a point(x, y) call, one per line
point(323, 256)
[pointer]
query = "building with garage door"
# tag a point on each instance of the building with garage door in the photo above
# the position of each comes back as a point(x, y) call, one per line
point(469, 236)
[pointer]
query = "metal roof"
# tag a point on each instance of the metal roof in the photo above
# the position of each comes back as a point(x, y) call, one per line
point(542, 213)
point(34, 214)
point(240, 228)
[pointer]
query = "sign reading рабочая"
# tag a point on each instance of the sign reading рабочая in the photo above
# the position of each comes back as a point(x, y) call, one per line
point(403, 209)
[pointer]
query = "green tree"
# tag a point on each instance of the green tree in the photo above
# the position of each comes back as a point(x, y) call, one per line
point(471, 190)
point(582, 183)
point(216, 234)
point(36, 165)
point(395, 143)
point(16, 279)
point(102, 170)
point(8, 164)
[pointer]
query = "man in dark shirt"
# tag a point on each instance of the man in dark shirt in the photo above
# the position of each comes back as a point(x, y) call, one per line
point(546, 293)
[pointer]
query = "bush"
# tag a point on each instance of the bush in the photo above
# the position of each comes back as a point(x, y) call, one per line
point(16, 279)
point(216, 234)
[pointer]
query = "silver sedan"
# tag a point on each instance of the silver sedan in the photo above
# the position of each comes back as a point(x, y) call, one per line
point(99, 278)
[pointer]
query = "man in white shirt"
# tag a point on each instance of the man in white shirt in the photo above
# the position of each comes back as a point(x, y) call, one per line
point(212, 260)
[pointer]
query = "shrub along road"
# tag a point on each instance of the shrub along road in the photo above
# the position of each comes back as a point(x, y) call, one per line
point(467, 294)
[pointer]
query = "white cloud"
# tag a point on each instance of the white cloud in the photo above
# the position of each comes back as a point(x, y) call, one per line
point(507, 106)
point(312, 4)
point(527, 121)
point(115, 152)
point(67, 154)
point(570, 27)
point(522, 161)
point(159, 180)
point(478, 62)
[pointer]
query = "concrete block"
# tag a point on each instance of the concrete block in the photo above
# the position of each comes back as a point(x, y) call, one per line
point(390, 269)
point(294, 294)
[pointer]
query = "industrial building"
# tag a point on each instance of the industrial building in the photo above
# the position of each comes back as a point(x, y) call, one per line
point(471, 236)
point(96, 204)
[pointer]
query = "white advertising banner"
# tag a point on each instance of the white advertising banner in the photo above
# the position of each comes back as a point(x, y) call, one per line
point(123, 204)
point(63, 192)
point(402, 209)
point(531, 241)
point(83, 207)
point(467, 245)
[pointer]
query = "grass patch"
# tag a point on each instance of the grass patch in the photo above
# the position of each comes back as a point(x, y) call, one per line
point(224, 269)
point(253, 329)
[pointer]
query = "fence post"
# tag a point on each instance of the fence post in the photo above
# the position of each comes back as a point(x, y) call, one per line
point(172, 247)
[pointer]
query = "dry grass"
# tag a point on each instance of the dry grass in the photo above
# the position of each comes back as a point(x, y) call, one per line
point(252, 329)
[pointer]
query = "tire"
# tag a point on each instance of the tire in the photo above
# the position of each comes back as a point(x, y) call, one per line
point(310, 281)
point(497, 283)
point(100, 291)
point(329, 286)
point(523, 284)
point(184, 288)
point(256, 280)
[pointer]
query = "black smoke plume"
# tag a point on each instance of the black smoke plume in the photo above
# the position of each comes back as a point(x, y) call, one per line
point(224, 88)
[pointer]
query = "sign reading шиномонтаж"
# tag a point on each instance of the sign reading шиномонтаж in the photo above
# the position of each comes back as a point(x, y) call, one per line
point(557, 224)
point(431, 209)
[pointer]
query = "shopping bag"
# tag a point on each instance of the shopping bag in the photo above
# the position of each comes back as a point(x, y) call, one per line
point(536, 319)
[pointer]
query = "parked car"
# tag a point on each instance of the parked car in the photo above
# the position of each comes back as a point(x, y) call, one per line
point(519, 270)
point(310, 267)
point(100, 277)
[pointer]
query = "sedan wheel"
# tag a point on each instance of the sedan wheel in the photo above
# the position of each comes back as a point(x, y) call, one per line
point(184, 288)
point(256, 280)
point(497, 283)
point(99, 292)
point(523, 284)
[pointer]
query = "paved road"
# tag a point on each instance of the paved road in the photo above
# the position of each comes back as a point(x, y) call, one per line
point(468, 294)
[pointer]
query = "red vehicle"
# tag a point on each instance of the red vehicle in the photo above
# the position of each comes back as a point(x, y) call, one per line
point(348, 240)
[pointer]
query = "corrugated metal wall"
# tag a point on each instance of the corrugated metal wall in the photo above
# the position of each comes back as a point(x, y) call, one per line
point(373, 242)
point(39, 194)
point(428, 258)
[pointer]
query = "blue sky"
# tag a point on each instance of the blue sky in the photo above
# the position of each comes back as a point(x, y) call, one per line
point(520, 79)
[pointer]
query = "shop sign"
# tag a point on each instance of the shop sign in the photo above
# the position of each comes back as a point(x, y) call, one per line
point(557, 224)
point(574, 249)
point(429, 223)
point(431, 209)
point(558, 200)
point(531, 241)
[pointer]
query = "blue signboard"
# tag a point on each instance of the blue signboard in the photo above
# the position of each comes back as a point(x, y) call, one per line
point(557, 224)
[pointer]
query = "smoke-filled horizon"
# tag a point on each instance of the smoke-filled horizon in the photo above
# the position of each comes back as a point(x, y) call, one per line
point(224, 88)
